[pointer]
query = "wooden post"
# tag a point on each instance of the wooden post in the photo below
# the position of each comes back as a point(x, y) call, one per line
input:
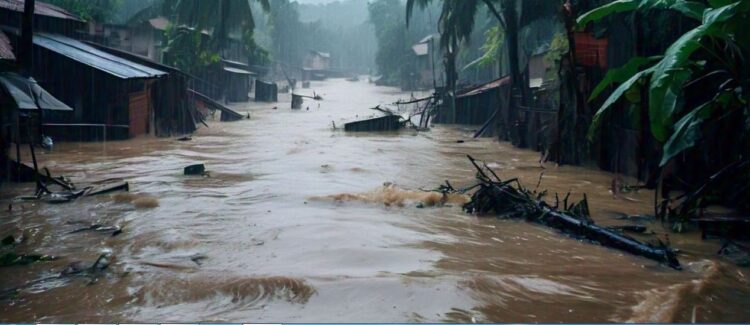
point(25, 46)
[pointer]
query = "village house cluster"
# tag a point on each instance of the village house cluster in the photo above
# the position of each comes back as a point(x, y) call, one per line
point(92, 81)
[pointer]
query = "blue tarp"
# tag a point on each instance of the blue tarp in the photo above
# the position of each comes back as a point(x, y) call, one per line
point(100, 60)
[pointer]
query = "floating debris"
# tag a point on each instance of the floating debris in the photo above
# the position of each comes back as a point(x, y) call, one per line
point(508, 199)
point(114, 230)
point(197, 169)
point(12, 258)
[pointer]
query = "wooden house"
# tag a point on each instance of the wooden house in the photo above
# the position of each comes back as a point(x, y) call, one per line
point(424, 53)
point(317, 65)
point(47, 18)
point(112, 97)
point(477, 104)
point(238, 81)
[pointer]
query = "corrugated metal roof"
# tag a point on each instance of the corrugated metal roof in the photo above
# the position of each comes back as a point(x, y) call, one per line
point(6, 51)
point(236, 70)
point(234, 63)
point(27, 93)
point(486, 87)
point(100, 60)
point(40, 8)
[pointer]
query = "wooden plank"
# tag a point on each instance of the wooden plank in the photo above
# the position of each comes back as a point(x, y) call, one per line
point(138, 108)
point(227, 114)
point(106, 188)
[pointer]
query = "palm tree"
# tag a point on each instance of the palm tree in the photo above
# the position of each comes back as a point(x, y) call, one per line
point(456, 24)
point(220, 17)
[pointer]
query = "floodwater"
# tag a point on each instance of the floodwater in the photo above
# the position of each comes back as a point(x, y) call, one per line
point(297, 222)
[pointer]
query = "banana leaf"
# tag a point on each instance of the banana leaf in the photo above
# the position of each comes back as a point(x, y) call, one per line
point(634, 81)
point(673, 71)
point(619, 75)
point(691, 9)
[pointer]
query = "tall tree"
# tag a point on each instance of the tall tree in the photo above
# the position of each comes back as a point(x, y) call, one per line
point(287, 32)
point(189, 48)
point(456, 24)
point(219, 17)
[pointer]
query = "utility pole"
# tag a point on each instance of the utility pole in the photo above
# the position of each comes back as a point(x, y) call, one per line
point(25, 56)
point(26, 63)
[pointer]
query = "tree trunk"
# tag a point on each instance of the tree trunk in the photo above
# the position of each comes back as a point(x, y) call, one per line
point(570, 99)
point(222, 32)
point(451, 76)
point(516, 81)
point(27, 39)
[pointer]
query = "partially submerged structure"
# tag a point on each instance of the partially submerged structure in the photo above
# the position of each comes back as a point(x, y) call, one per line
point(383, 123)
point(478, 104)
point(24, 104)
point(112, 97)
point(114, 94)
point(174, 111)
point(239, 80)
point(266, 91)
point(424, 52)
point(205, 103)
point(317, 65)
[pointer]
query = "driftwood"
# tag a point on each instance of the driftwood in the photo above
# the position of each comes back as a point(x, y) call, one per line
point(107, 188)
point(413, 101)
point(509, 199)
point(314, 96)
point(386, 111)
point(67, 195)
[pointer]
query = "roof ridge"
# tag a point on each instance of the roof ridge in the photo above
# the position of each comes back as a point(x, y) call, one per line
point(96, 52)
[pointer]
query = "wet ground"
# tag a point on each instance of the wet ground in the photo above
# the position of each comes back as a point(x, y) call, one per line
point(294, 224)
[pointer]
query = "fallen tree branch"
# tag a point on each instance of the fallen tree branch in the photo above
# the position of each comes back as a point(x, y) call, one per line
point(501, 198)
point(383, 110)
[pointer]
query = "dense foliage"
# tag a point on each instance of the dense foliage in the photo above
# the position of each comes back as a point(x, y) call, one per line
point(96, 10)
point(700, 82)
point(202, 28)
point(394, 58)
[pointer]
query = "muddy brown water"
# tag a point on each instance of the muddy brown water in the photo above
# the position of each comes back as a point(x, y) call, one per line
point(295, 224)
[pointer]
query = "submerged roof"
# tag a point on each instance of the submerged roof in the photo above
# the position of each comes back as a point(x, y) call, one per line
point(6, 50)
point(40, 8)
point(100, 60)
point(27, 93)
point(486, 87)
